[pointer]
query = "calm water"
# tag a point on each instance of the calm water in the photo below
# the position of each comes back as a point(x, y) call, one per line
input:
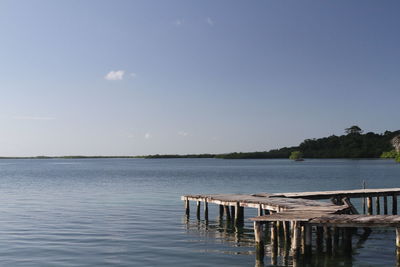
point(127, 212)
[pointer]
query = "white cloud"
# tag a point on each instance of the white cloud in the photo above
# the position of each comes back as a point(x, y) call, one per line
point(209, 21)
point(147, 136)
point(179, 22)
point(34, 118)
point(182, 133)
point(115, 75)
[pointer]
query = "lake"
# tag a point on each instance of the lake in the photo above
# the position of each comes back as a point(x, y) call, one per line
point(128, 212)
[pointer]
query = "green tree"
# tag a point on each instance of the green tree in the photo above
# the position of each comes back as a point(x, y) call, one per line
point(296, 155)
point(353, 130)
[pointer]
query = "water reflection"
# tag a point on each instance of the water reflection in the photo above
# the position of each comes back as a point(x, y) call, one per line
point(339, 250)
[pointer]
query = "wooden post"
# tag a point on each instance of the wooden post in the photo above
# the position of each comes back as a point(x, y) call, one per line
point(347, 243)
point(274, 234)
point(227, 213)
point(369, 205)
point(238, 214)
point(260, 211)
point(335, 242)
point(274, 243)
point(205, 210)
point(363, 198)
point(328, 239)
point(221, 211)
point(286, 230)
point(385, 206)
point(198, 210)
point(296, 239)
point(187, 207)
point(233, 213)
point(377, 206)
point(394, 204)
point(398, 246)
point(319, 240)
point(398, 237)
point(307, 239)
point(258, 235)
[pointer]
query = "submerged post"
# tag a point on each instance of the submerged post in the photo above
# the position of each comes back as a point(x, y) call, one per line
point(258, 235)
point(205, 210)
point(296, 239)
point(238, 214)
point(233, 213)
point(187, 207)
point(377, 205)
point(319, 240)
point(328, 239)
point(398, 245)
point(198, 210)
point(385, 205)
point(227, 213)
point(363, 202)
point(221, 211)
point(307, 239)
point(369, 205)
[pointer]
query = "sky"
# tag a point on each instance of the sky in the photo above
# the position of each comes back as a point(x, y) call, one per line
point(183, 76)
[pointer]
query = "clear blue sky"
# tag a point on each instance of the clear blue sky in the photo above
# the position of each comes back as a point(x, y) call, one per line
point(144, 77)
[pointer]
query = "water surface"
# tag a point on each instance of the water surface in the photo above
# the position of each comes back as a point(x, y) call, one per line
point(127, 212)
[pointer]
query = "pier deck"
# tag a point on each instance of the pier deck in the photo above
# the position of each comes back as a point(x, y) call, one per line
point(296, 214)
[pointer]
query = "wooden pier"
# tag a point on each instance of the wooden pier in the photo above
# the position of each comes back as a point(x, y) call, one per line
point(300, 214)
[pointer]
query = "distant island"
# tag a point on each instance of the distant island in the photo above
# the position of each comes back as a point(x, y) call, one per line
point(353, 144)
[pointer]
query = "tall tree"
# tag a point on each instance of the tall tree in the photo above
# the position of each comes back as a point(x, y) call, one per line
point(353, 130)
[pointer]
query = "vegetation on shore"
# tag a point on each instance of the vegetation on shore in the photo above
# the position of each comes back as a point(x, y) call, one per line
point(353, 144)
point(296, 155)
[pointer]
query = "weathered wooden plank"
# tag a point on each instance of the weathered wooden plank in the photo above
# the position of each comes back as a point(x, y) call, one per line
point(340, 193)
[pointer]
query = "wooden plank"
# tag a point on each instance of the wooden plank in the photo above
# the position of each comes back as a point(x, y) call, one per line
point(340, 193)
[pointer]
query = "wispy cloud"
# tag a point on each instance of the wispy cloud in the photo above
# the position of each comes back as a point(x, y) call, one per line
point(182, 133)
point(179, 22)
point(115, 75)
point(34, 118)
point(209, 21)
point(147, 136)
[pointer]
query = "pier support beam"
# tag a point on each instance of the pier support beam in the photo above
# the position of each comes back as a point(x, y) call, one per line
point(198, 210)
point(227, 213)
point(398, 246)
point(274, 235)
point(394, 205)
point(319, 239)
point(296, 239)
point(221, 211)
point(385, 205)
point(206, 210)
point(260, 211)
point(307, 239)
point(258, 235)
point(328, 239)
point(377, 206)
point(187, 207)
point(347, 242)
point(369, 205)
point(233, 213)
point(239, 216)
